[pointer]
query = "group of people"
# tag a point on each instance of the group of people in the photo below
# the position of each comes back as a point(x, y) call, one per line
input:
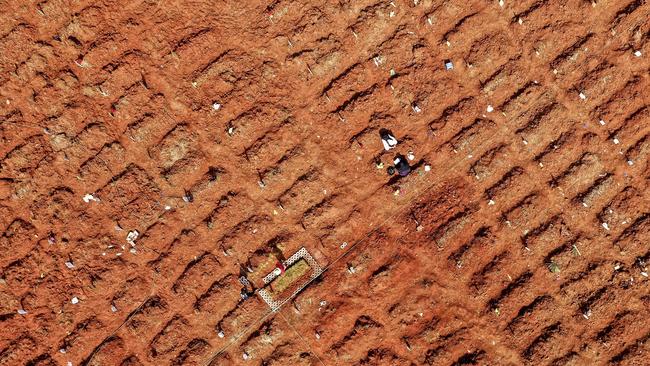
point(401, 165)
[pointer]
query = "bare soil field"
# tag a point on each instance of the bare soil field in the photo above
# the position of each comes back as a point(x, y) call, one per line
point(152, 152)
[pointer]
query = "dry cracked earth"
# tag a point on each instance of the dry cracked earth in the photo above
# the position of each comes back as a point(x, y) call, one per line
point(229, 132)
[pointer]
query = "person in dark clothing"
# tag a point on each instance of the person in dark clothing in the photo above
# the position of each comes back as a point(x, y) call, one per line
point(402, 165)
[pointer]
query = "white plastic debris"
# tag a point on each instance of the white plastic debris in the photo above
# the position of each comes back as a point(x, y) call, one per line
point(582, 96)
point(221, 334)
point(89, 197)
point(448, 43)
point(113, 308)
point(392, 72)
point(490, 202)
point(637, 53)
point(132, 236)
point(615, 141)
point(449, 65)
point(69, 363)
point(427, 168)
point(501, 3)
point(602, 123)
point(344, 244)
point(416, 108)
point(323, 303)
point(520, 21)
point(69, 265)
point(22, 312)
point(630, 162)
point(489, 109)
point(167, 208)
point(216, 106)
point(410, 155)
point(74, 300)
point(606, 226)
point(245, 356)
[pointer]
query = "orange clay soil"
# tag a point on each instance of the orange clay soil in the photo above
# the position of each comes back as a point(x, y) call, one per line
point(227, 132)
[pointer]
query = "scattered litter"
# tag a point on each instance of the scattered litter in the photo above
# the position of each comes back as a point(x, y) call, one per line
point(489, 109)
point(317, 335)
point(501, 3)
point(216, 106)
point(51, 239)
point(344, 244)
point(617, 266)
point(245, 356)
point(113, 308)
point(74, 300)
point(132, 250)
point(582, 96)
point(391, 14)
point(187, 197)
point(520, 21)
point(80, 62)
point(22, 312)
point(490, 202)
point(323, 303)
point(416, 108)
point(410, 155)
point(396, 193)
point(132, 236)
point(89, 197)
point(69, 363)
point(554, 267)
point(378, 60)
point(606, 226)
point(630, 162)
point(221, 334)
point(449, 65)
point(602, 123)
point(524, 142)
point(427, 168)
point(167, 208)
point(231, 131)
point(69, 265)
point(448, 43)
point(615, 141)
point(637, 53)
point(587, 314)
point(62, 350)
point(644, 274)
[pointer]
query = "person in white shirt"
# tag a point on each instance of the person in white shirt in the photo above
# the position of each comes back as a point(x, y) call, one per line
point(387, 139)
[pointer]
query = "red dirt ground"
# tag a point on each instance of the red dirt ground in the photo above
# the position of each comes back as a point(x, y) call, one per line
point(526, 243)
